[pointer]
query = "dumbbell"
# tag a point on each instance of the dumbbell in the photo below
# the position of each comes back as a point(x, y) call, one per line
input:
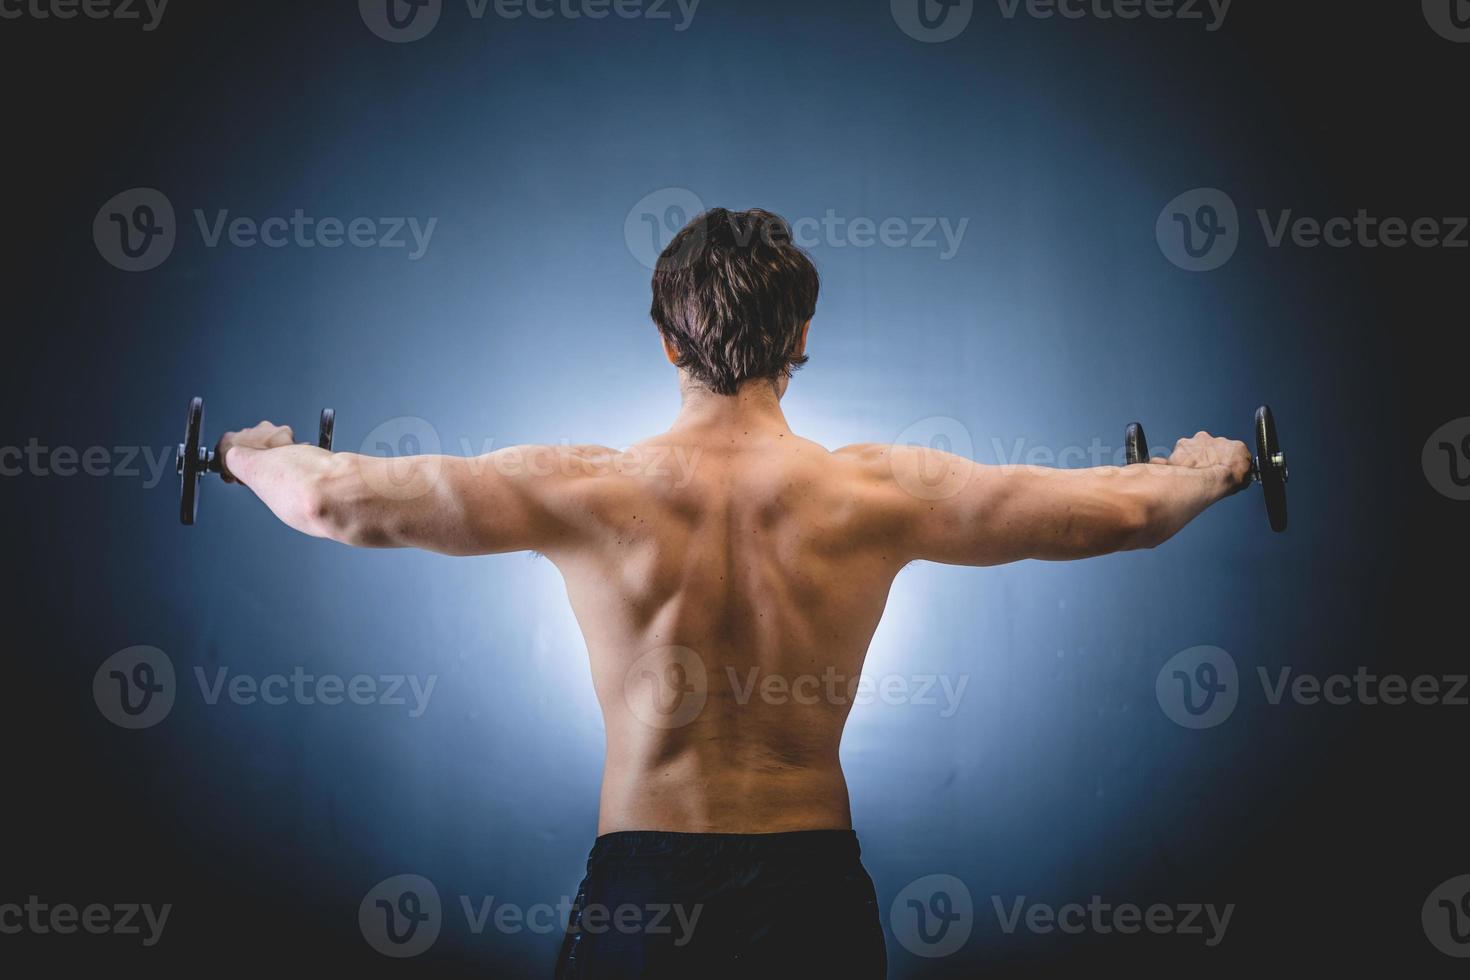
point(196, 459)
point(1268, 466)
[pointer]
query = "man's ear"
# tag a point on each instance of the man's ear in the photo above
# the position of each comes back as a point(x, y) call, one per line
point(801, 343)
point(670, 351)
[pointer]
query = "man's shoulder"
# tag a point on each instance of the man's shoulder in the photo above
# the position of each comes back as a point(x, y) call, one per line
point(869, 461)
point(864, 452)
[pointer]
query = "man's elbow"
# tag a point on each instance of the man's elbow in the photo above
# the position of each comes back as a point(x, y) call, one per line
point(1141, 524)
point(1114, 523)
point(334, 507)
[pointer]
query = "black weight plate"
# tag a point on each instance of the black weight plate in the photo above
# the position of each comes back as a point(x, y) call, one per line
point(189, 475)
point(324, 431)
point(1136, 443)
point(1273, 476)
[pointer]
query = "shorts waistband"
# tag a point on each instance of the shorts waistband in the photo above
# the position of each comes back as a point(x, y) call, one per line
point(668, 843)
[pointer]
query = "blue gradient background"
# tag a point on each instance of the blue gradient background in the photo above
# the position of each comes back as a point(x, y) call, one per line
point(1058, 321)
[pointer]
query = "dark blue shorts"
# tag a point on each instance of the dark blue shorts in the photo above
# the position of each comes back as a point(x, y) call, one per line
point(711, 906)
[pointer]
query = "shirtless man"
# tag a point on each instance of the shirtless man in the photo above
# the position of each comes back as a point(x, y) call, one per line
point(769, 553)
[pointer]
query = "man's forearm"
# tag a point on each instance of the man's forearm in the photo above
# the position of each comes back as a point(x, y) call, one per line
point(291, 481)
point(1173, 496)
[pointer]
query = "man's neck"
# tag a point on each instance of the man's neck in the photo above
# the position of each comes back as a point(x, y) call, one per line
point(754, 408)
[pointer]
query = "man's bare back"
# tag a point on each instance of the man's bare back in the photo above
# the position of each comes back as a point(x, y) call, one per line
point(712, 611)
point(728, 575)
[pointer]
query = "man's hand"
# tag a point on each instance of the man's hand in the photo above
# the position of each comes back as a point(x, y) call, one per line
point(264, 435)
point(1203, 451)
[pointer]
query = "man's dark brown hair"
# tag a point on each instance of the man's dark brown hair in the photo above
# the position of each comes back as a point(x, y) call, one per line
point(731, 294)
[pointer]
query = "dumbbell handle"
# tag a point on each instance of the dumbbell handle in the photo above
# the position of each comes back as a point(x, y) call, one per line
point(1279, 459)
point(209, 461)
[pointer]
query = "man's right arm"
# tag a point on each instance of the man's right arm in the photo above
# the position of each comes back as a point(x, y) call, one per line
point(516, 499)
point(949, 509)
